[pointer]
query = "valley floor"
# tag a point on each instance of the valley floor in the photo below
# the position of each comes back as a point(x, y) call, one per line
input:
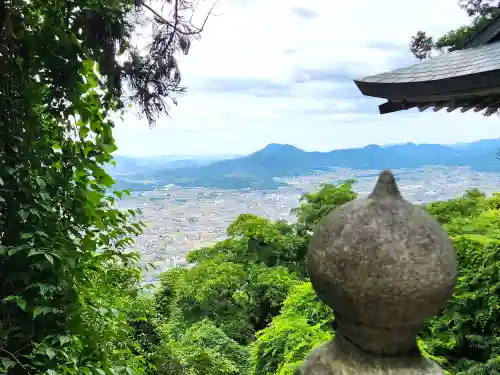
point(180, 220)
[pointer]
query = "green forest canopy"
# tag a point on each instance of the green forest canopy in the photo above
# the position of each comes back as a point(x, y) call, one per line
point(253, 290)
point(246, 306)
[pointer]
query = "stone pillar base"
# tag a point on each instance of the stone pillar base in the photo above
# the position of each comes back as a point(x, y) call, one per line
point(340, 357)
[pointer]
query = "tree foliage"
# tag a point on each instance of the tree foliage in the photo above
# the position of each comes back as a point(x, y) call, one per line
point(481, 13)
point(68, 288)
point(317, 205)
point(201, 349)
point(303, 324)
point(231, 284)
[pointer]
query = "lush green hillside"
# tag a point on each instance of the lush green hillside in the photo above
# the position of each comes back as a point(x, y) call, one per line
point(258, 170)
point(246, 305)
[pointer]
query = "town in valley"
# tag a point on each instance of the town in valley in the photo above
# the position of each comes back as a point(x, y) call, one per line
point(183, 219)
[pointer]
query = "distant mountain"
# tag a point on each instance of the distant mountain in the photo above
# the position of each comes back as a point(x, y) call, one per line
point(483, 144)
point(259, 169)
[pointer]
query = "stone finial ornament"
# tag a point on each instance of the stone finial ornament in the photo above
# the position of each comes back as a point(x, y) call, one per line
point(383, 265)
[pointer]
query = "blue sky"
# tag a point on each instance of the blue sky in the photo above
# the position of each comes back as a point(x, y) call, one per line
point(281, 71)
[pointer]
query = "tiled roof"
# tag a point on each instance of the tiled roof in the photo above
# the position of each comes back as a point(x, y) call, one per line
point(454, 64)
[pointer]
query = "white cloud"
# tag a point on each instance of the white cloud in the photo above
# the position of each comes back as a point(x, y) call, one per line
point(242, 90)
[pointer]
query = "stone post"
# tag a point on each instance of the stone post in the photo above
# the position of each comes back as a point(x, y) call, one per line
point(383, 265)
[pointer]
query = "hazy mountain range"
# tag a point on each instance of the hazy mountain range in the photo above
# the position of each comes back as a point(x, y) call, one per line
point(259, 169)
point(128, 164)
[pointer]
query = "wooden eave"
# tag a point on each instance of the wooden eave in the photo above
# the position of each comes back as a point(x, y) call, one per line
point(477, 103)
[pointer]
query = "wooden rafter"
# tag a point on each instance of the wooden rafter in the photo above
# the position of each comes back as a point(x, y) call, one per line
point(478, 103)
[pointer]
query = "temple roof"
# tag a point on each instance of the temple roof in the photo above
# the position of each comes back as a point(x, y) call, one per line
point(454, 64)
point(466, 78)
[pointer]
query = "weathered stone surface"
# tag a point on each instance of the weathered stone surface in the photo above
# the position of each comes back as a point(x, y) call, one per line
point(339, 357)
point(383, 265)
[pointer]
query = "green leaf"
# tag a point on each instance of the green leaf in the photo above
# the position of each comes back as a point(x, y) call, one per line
point(42, 233)
point(23, 214)
point(40, 182)
point(7, 362)
point(92, 81)
point(71, 262)
point(13, 250)
point(21, 303)
point(49, 257)
point(106, 180)
point(50, 353)
point(109, 148)
point(64, 340)
point(35, 252)
point(41, 310)
point(84, 132)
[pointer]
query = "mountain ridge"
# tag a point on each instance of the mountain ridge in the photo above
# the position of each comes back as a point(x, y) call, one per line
point(259, 169)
